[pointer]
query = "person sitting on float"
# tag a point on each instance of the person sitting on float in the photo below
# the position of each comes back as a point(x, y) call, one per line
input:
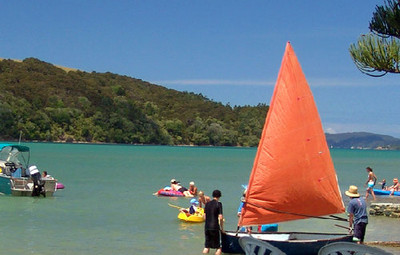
point(192, 209)
point(192, 189)
point(383, 184)
point(394, 187)
point(178, 187)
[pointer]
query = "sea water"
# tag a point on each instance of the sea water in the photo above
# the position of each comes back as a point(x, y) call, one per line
point(108, 206)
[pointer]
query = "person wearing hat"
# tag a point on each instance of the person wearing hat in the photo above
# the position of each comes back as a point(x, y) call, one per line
point(193, 207)
point(173, 184)
point(357, 210)
point(394, 187)
point(192, 189)
point(176, 185)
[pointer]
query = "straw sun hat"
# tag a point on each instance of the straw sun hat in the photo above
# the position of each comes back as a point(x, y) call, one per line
point(352, 192)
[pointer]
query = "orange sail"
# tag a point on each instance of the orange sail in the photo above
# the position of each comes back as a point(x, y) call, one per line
point(293, 176)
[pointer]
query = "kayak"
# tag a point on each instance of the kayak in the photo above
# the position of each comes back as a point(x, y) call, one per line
point(169, 193)
point(380, 192)
point(197, 217)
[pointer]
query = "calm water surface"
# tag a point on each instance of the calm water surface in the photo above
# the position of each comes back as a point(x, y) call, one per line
point(107, 206)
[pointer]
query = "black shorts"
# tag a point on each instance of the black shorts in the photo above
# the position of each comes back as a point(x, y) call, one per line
point(183, 189)
point(212, 239)
point(359, 230)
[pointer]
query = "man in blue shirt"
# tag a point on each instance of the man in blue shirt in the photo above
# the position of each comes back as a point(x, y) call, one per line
point(357, 210)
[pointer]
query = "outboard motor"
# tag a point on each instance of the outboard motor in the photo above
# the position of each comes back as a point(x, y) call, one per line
point(38, 183)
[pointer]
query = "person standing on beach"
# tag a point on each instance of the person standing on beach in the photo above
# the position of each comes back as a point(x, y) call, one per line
point(357, 210)
point(214, 224)
point(370, 183)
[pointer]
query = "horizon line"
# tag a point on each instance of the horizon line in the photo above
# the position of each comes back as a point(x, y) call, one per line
point(318, 82)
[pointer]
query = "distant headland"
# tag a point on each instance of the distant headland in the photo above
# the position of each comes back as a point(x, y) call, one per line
point(363, 140)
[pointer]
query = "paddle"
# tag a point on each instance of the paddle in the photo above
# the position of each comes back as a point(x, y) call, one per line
point(174, 206)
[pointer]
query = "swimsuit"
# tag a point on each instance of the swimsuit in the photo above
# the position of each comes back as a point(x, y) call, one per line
point(371, 184)
point(183, 189)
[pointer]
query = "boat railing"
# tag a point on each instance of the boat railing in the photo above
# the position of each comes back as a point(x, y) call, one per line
point(20, 184)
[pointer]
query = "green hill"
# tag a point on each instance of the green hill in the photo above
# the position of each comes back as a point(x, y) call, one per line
point(49, 103)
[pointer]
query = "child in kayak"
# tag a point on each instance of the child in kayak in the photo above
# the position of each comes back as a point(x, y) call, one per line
point(383, 184)
point(192, 209)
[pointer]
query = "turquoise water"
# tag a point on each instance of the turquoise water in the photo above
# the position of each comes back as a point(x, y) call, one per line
point(107, 206)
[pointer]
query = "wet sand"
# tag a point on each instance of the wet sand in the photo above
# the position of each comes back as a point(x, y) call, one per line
point(392, 247)
point(380, 231)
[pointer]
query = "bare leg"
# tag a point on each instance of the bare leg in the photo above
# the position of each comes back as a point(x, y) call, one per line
point(206, 250)
point(187, 194)
point(373, 193)
point(218, 252)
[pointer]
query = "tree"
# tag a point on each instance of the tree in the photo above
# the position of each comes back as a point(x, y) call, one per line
point(47, 103)
point(378, 52)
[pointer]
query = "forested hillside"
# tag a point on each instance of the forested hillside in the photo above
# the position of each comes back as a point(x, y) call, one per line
point(47, 103)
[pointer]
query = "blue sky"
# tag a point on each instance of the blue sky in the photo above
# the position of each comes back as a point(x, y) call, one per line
point(229, 51)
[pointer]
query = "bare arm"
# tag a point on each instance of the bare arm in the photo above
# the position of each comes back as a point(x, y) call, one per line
point(221, 222)
point(351, 217)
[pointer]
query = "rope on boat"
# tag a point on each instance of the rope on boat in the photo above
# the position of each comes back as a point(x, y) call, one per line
point(331, 217)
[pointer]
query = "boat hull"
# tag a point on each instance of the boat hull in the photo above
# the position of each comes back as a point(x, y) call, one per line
point(291, 243)
point(22, 187)
point(380, 192)
point(5, 186)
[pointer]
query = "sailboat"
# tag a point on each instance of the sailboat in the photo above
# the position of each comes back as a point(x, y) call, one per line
point(293, 176)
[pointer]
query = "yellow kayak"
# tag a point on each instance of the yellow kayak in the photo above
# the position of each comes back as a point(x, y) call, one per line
point(196, 217)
